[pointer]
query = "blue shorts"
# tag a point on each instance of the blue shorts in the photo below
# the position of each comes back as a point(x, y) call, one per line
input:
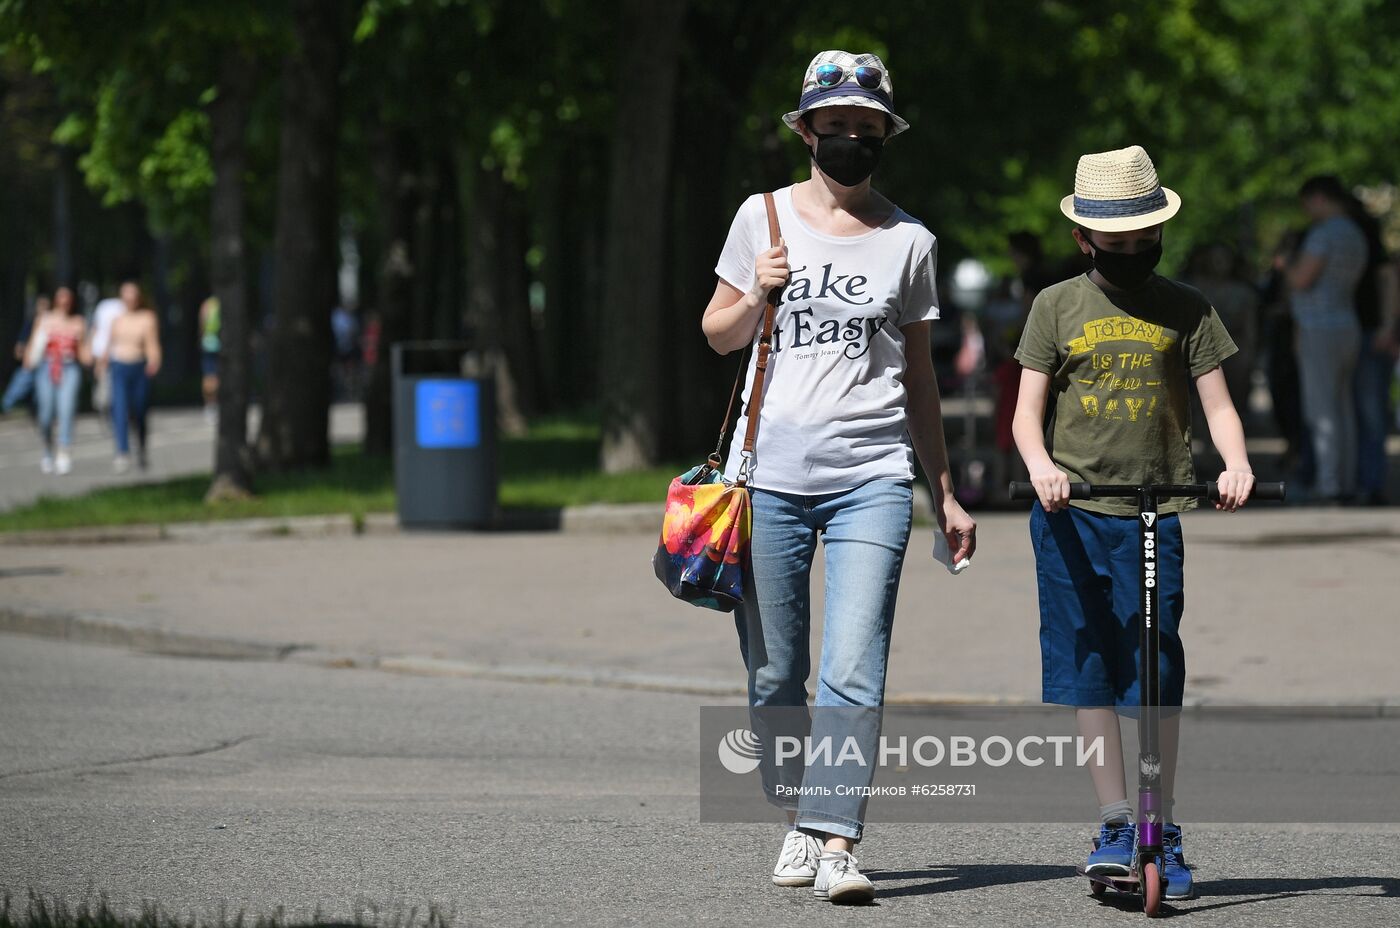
point(1089, 575)
point(209, 363)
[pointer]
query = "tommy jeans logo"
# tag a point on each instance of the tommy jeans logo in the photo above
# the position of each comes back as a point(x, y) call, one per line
point(798, 326)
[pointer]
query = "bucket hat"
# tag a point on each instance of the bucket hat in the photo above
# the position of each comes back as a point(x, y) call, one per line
point(1118, 191)
point(837, 78)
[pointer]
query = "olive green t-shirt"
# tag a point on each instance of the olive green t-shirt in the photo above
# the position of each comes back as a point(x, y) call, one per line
point(1120, 368)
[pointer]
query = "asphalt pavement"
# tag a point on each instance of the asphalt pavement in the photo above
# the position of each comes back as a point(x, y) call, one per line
point(504, 725)
point(1283, 606)
point(214, 787)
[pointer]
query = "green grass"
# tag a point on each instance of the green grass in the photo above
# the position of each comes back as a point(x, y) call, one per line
point(553, 466)
point(43, 911)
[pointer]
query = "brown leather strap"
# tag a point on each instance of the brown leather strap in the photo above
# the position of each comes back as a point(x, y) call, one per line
point(765, 345)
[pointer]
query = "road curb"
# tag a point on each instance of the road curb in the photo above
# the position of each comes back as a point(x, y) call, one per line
point(101, 630)
point(592, 519)
point(595, 518)
point(94, 629)
point(223, 530)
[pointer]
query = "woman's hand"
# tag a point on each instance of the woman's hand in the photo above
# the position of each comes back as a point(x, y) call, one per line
point(958, 528)
point(770, 270)
point(1052, 486)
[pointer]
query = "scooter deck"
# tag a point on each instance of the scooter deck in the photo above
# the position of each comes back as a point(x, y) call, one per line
point(1123, 883)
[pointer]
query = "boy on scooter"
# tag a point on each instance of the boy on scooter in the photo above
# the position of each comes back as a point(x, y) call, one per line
point(1117, 348)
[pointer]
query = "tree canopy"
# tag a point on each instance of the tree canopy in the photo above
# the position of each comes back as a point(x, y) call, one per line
point(482, 181)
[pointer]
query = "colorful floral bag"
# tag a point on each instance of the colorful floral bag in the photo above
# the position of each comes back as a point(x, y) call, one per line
point(704, 550)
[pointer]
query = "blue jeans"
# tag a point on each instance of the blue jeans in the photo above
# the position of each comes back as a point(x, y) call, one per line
point(20, 386)
point(58, 400)
point(1374, 371)
point(130, 389)
point(1326, 367)
point(865, 532)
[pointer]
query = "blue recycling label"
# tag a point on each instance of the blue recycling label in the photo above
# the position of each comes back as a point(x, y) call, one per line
point(448, 413)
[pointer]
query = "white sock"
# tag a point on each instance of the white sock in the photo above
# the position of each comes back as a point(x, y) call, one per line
point(1117, 813)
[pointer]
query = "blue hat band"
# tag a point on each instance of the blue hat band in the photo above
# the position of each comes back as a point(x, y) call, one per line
point(1116, 209)
point(850, 89)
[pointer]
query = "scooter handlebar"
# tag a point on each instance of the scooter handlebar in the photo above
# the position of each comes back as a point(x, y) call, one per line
point(1266, 491)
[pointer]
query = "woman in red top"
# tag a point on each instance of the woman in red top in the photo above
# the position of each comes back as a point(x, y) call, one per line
point(55, 351)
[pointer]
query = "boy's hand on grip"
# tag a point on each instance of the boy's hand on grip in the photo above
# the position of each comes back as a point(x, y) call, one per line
point(1234, 487)
point(1052, 486)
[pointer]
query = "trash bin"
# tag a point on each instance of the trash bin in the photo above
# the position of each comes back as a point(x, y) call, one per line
point(444, 436)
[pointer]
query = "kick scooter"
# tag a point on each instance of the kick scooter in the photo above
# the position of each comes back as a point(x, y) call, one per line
point(1145, 876)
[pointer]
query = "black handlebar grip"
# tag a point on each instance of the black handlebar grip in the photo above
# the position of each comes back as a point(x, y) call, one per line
point(1269, 491)
point(1021, 489)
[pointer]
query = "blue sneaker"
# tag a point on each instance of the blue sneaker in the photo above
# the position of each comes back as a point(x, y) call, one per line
point(1180, 885)
point(1114, 856)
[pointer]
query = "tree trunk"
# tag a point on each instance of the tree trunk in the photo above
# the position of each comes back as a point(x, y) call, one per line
point(63, 218)
point(228, 119)
point(492, 243)
point(635, 283)
point(397, 184)
point(296, 423)
point(425, 248)
point(448, 320)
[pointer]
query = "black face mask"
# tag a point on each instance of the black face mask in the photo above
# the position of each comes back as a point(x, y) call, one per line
point(1127, 271)
point(846, 160)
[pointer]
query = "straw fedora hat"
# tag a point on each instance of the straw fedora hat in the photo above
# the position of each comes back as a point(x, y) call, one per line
point(1118, 191)
point(837, 78)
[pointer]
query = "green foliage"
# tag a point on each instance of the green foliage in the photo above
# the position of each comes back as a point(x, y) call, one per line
point(136, 79)
point(136, 149)
point(1237, 101)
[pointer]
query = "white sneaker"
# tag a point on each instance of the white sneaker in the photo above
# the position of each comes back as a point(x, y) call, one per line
point(797, 864)
point(838, 880)
point(121, 463)
point(46, 464)
point(64, 464)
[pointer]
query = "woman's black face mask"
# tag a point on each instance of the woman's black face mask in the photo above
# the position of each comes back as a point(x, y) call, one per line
point(846, 160)
point(1124, 270)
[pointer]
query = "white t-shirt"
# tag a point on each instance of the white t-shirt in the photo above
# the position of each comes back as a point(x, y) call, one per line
point(102, 317)
point(833, 413)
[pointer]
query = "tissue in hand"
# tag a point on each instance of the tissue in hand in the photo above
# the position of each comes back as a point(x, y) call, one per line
point(944, 556)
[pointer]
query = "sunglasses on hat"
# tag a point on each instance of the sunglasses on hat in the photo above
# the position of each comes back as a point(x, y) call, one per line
point(833, 75)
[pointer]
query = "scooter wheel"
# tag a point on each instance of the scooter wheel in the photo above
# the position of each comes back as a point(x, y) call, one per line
point(1151, 889)
point(1096, 888)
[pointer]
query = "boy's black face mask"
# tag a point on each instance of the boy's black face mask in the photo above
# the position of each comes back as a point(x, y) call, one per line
point(1127, 271)
point(846, 160)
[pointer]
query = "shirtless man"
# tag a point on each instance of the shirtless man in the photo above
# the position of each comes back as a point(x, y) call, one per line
point(101, 336)
point(133, 358)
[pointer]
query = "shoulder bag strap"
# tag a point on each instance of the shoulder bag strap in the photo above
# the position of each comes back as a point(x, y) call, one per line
point(765, 348)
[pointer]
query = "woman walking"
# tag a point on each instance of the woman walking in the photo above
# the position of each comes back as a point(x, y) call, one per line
point(850, 396)
point(55, 350)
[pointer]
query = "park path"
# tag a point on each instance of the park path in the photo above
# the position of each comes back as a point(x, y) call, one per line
point(181, 443)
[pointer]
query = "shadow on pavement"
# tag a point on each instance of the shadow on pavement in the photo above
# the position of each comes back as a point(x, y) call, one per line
point(958, 877)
